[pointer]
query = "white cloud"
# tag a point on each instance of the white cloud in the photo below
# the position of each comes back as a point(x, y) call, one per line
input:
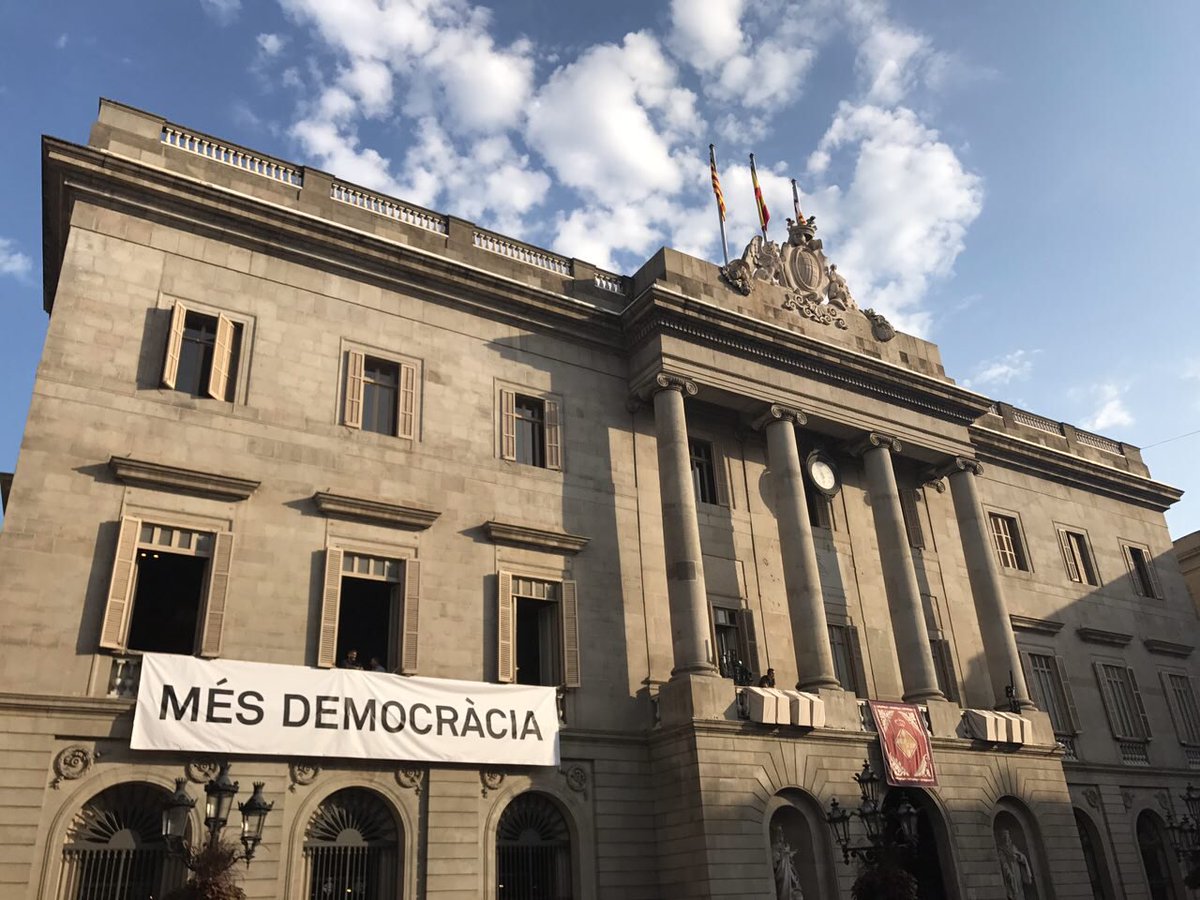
point(1110, 410)
point(224, 12)
point(61, 42)
point(271, 44)
point(12, 261)
point(1003, 370)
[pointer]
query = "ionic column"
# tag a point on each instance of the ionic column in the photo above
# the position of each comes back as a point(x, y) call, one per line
point(899, 576)
point(999, 643)
point(690, 632)
point(806, 604)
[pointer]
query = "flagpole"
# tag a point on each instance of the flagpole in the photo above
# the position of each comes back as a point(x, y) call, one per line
point(796, 203)
point(712, 161)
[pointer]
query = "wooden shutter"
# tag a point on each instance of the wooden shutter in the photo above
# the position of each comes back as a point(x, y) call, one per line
point(1060, 671)
point(747, 639)
point(218, 592)
point(412, 614)
point(1110, 708)
point(944, 660)
point(1068, 552)
point(331, 601)
point(222, 361)
point(114, 631)
point(1177, 715)
point(1155, 587)
point(912, 518)
point(856, 661)
point(505, 628)
point(174, 346)
point(721, 474)
point(572, 676)
point(553, 434)
point(508, 424)
point(406, 418)
point(1141, 707)
point(352, 412)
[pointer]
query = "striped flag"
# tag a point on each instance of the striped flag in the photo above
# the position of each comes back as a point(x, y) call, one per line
point(764, 215)
point(716, 180)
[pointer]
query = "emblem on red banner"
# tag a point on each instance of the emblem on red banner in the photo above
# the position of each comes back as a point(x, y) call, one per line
point(907, 756)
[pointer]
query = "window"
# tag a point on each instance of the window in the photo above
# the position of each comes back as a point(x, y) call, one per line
point(202, 354)
point(736, 643)
point(531, 429)
point(168, 590)
point(912, 517)
point(381, 395)
point(1141, 571)
point(538, 629)
point(533, 850)
point(820, 509)
point(1181, 698)
point(943, 664)
point(370, 605)
point(1123, 702)
point(847, 659)
point(708, 473)
point(1051, 691)
point(1006, 536)
point(352, 848)
point(1077, 556)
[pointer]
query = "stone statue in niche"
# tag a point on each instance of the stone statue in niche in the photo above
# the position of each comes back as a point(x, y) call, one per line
point(1014, 867)
point(783, 861)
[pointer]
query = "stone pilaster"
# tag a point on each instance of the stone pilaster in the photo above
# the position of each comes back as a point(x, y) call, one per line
point(806, 604)
point(899, 576)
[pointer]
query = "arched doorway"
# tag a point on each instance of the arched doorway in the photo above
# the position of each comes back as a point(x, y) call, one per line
point(352, 848)
point(798, 841)
point(929, 862)
point(1162, 875)
point(533, 851)
point(1093, 857)
point(115, 849)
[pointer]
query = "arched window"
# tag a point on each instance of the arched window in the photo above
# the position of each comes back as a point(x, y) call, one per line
point(1156, 857)
point(115, 850)
point(533, 851)
point(351, 848)
point(1093, 857)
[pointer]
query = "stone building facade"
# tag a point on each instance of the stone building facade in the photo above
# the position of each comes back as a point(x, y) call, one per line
point(279, 417)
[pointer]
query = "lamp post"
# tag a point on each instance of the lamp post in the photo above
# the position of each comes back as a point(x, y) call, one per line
point(218, 801)
point(889, 832)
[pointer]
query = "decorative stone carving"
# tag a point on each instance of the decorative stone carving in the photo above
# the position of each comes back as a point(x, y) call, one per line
point(303, 773)
point(577, 779)
point(837, 291)
point(201, 771)
point(491, 780)
point(665, 381)
point(411, 779)
point(1163, 801)
point(72, 762)
point(881, 328)
point(1127, 798)
point(814, 309)
point(872, 440)
point(1092, 796)
point(776, 412)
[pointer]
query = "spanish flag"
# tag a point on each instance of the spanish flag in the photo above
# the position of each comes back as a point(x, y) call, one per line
point(716, 181)
point(764, 215)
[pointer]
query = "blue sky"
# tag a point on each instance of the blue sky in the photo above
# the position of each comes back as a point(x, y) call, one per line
point(1016, 182)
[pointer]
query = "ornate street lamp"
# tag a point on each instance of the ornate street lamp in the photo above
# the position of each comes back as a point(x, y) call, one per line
point(887, 831)
point(219, 794)
point(175, 817)
point(1185, 834)
point(218, 801)
point(254, 817)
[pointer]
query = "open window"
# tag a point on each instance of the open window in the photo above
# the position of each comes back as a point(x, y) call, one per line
point(168, 590)
point(1008, 541)
point(381, 395)
point(736, 641)
point(709, 478)
point(538, 631)
point(370, 612)
point(531, 429)
point(1141, 570)
point(1077, 556)
point(202, 354)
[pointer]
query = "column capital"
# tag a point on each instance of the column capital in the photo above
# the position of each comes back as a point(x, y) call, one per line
point(665, 381)
point(872, 440)
point(955, 466)
point(777, 412)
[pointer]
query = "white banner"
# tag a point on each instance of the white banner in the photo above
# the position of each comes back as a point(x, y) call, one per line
point(226, 706)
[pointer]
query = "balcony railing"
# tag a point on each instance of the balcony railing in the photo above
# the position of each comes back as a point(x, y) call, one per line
point(523, 253)
point(1134, 753)
point(231, 156)
point(124, 676)
point(392, 209)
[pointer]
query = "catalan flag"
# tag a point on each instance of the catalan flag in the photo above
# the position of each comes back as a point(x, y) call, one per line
point(716, 181)
point(764, 215)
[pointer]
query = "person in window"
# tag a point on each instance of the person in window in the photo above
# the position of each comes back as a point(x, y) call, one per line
point(376, 665)
point(767, 680)
point(351, 661)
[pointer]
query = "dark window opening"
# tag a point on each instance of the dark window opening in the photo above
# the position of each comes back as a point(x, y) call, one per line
point(820, 509)
point(1142, 576)
point(381, 381)
point(537, 642)
point(843, 642)
point(943, 664)
point(530, 430)
point(704, 473)
point(366, 617)
point(729, 660)
point(166, 602)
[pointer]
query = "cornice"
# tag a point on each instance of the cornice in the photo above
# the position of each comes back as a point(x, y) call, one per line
point(660, 310)
point(1100, 636)
point(55, 704)
point(375, 512)
point(72, 170)
point(1167, 648)
point(1017, 453)
point(158, 476)
point(1032, 624)
point(535, 538)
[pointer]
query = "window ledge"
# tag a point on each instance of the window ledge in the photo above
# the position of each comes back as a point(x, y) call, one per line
point(538, 538)
point(1098, 636)
point(1030, 623)
point(374, 511)
point(1168, 648)
point(159, 476)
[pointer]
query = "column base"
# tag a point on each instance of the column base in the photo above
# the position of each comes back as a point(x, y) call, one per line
point(813, 685)
point(924, 696)
point(691, 696)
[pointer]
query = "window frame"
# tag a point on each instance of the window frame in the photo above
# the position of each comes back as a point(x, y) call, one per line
point(406, 637)
point(851, 638)
point(1186, 722)
point(571, 673)
point(1137, 718)
point(553, 426)
point(227, 324)
point(1151, 587)
point(1017, 538)
point(1073, 561)
point(1058, 671)
point(120, 596)
point(409, 390)
point(722, 496)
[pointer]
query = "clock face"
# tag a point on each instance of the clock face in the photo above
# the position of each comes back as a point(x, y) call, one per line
point(824, 476)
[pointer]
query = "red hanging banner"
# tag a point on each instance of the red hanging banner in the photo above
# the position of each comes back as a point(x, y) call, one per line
point(907, 756)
